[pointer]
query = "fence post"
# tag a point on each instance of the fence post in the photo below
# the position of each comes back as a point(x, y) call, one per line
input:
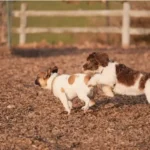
point(8, 9)
point(23, 22)
point(126, 25)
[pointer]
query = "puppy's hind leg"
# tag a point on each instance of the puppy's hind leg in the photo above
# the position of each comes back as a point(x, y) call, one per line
point(70, 104)
point(147, 90)
point(65, 102)
point(86, 99)
point(107, 91)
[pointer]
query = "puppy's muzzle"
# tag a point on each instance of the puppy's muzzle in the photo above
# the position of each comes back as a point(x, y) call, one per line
point(37, 82)
point(85, 66)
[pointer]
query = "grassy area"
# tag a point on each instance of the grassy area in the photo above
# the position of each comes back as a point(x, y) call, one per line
point(61, 21)
point(47, 5)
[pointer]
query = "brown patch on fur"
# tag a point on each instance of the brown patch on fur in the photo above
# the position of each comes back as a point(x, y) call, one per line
point(62, 90)
point(42, 79)
point(71, 79)
point(125, 75)
point(143, 80)
point(95, 60)
point(90, 66)
point(44, 76)
point(101, 58)
point(42, 82)
point(86, 79)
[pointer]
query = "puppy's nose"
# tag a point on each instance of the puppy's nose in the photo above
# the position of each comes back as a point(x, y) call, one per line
point(36, 82)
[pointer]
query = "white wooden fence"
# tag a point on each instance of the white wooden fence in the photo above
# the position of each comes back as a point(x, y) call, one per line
point(125, 30)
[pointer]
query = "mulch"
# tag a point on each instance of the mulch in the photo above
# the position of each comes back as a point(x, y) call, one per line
point(33, 119)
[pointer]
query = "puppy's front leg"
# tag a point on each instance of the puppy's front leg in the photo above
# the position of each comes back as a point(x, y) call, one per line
point(96, 79)
point(107, 90)
point(92, 81)
point(65, 102)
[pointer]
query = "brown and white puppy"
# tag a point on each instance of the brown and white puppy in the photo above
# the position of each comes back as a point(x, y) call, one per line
point(117, 77)
point(66, 87)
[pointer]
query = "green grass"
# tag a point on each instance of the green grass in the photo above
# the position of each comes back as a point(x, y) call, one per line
point(67, 6)
point(61, 21)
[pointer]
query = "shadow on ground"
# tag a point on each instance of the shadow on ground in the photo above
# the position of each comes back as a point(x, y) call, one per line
point(52, 51)
point(46, 52)
point(120, 101)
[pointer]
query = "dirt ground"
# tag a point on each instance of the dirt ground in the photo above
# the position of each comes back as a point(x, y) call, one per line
point(33, 119)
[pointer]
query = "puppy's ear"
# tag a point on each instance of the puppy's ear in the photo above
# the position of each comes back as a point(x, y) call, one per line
point(49, 72)
point(103, 59)
point(91, 56)
point(54, 69)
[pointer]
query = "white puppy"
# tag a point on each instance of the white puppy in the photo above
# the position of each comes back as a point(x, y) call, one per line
point(66, 87)
point(116, 77)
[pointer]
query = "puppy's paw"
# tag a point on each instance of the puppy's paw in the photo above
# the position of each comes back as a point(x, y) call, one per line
point(109, 94)
point(69, 111)
point(91, 103)
point(85, 108)
point(70, 104)
point(107, 91)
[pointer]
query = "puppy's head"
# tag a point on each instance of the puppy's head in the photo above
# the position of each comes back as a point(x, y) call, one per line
point(95, 62)
point(43, 77)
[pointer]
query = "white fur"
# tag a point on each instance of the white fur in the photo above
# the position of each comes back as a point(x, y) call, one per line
point(129, 90)
point(77, 89)
point(107, 90)
point(107, 76)
point(147, 90)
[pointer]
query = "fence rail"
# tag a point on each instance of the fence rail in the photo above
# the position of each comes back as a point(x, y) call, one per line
point(71, 29)
point(125, 30)
point(72, 13)
point(78, 13)
point(133, 31)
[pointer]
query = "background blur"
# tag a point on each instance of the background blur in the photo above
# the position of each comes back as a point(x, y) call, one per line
point(79, 21)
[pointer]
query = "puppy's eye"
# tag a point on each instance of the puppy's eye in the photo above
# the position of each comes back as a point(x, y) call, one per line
point(48, 75)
